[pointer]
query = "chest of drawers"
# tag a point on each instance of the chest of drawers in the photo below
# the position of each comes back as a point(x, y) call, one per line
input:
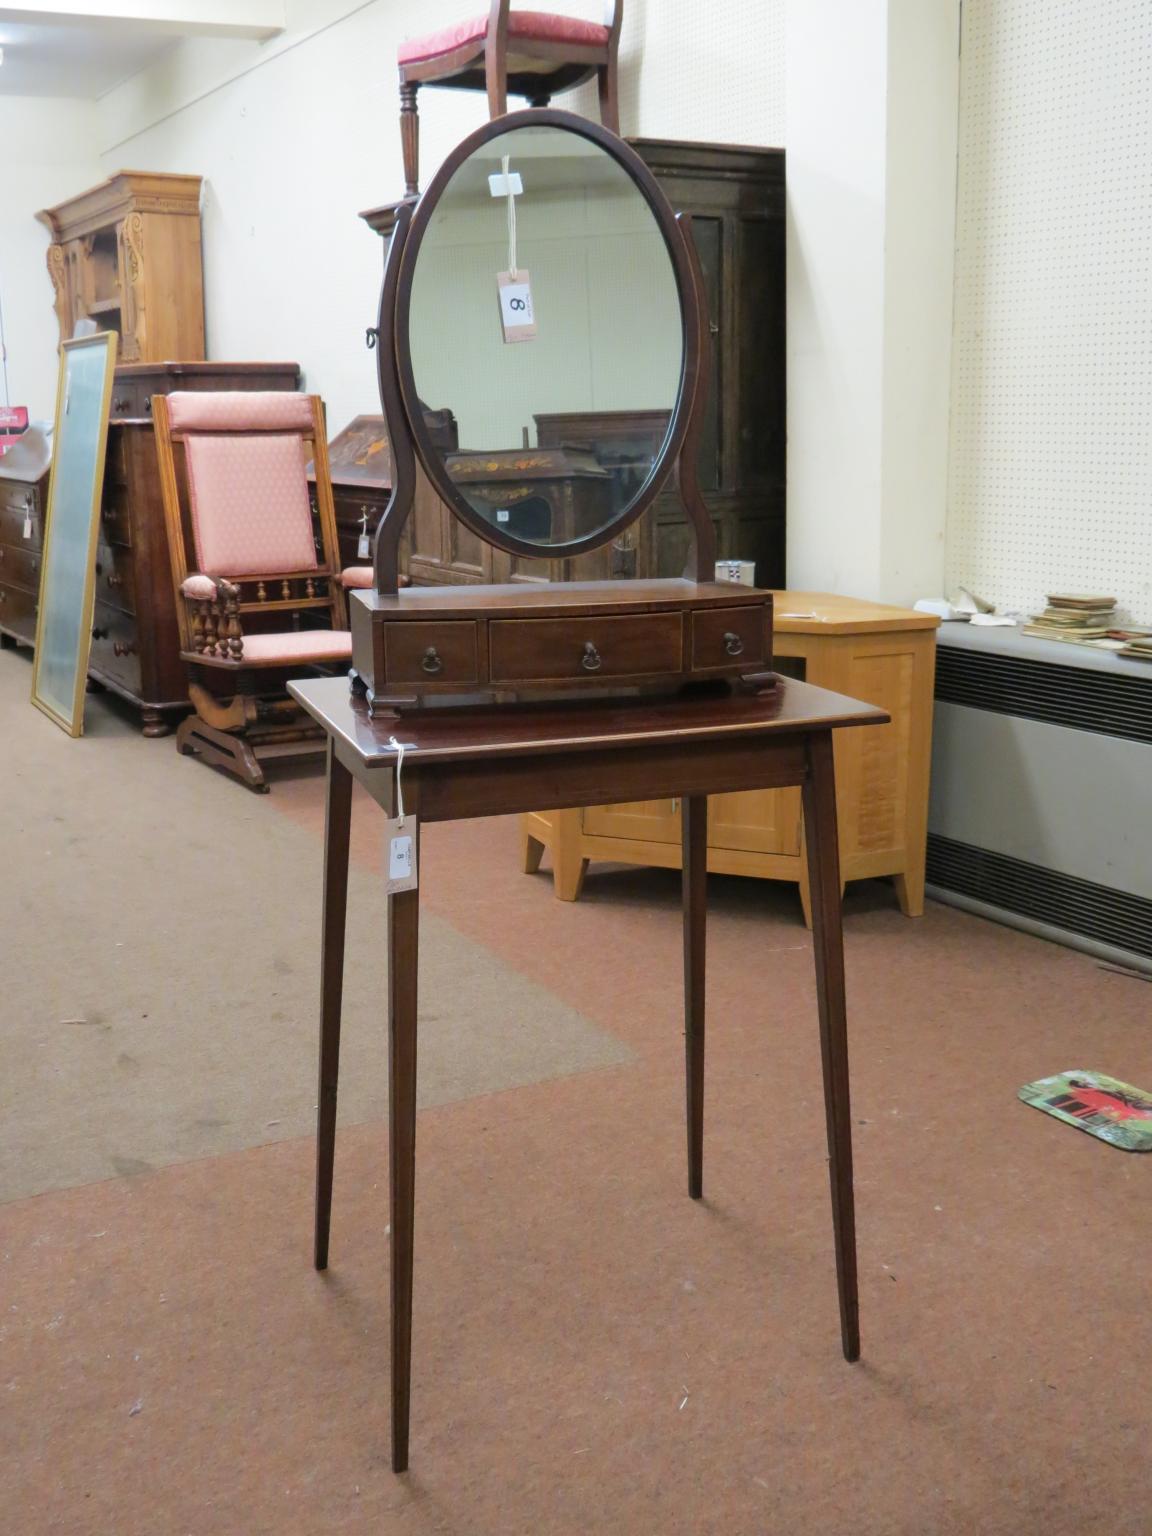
point(22, 507)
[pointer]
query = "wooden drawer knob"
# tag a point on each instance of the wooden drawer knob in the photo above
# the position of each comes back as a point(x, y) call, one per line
point(733, 643)
point(431, 660)
point(591, 661)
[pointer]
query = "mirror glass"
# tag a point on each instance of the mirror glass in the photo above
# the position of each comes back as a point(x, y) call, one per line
point(546, 335)
point(64, 619)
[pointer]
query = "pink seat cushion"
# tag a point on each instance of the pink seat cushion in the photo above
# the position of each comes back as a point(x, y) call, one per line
point(251, 514)
point(299, 645)
point(357, 576)
point(539, 26)
point(239, 410)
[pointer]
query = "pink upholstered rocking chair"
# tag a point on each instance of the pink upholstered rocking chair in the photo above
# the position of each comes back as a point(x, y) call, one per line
point(255, 565)
point(523, 53)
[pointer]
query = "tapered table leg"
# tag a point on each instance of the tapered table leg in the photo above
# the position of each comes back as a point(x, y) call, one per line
point(820, 838)
point(694, 831)
point(337, 823)
point(403, 962)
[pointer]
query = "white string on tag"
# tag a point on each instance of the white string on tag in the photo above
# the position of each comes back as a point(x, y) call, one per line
point(511, 196)
point(398, 748)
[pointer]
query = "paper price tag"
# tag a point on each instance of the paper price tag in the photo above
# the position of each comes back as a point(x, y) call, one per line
point(400, 855)
point(27, 525)
point(517, 316)
point(362, 550)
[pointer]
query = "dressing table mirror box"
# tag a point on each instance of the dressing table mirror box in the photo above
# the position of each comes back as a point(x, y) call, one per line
point(556, 215)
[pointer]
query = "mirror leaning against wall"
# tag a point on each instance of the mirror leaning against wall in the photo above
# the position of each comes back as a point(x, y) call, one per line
point(67, 579)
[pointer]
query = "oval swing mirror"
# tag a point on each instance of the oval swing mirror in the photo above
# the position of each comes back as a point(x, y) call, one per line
point(542, 322)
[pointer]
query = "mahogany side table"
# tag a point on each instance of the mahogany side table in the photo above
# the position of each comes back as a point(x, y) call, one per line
point(460, 763)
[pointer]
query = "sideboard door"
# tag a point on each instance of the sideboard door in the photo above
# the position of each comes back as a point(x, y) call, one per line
point(756, 821)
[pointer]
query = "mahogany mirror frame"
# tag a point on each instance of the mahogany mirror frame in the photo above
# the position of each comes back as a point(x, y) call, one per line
point(404, 412)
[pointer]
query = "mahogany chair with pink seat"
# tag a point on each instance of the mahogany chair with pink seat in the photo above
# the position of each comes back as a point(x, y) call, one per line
point(535, 54)
point(256, 567)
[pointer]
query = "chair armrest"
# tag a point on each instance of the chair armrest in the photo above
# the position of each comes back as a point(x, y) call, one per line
point(215, 616)
point(362, 578)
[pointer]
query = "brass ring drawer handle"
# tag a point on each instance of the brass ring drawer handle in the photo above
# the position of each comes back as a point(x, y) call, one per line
point(733, 643)
point(590, 660)
point(125, 648)
point(431, 660)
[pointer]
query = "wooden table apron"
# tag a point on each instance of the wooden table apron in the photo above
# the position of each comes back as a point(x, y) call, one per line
point(516, 761)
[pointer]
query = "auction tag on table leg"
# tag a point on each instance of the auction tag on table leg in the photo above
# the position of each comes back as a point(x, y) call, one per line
point(516, 313)
point(400, 854)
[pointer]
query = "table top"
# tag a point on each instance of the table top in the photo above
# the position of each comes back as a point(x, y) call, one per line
point(815, 613)
point(439, 734)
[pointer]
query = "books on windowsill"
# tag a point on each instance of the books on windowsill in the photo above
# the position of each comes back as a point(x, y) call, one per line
point(1082, 619)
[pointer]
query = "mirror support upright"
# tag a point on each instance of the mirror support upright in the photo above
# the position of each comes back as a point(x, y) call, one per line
point(386, 550)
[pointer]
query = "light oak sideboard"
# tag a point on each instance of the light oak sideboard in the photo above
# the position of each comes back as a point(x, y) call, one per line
point(869, 651)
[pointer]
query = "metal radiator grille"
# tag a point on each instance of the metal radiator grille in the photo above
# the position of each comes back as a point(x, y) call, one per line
point(1084, 700)
point(1078, 906)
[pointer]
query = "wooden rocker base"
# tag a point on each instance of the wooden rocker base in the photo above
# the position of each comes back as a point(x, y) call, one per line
point(237, 754)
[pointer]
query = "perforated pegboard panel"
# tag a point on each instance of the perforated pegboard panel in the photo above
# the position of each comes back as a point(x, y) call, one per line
point(1050, 483)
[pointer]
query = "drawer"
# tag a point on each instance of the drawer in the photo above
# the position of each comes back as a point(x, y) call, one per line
point(540, 650)
point(431, 653)
point(18, 612)
point(116, 577)
point(20, 566)
point(729, 637)
point(18, 501)
point(128, 397)
point(114, 650)
point(115, 522)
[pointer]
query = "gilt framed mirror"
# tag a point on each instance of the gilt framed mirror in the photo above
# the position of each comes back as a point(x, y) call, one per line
point(538, 294)
point(68, 574)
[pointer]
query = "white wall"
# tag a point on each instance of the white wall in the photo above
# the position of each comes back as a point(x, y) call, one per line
point(872, 91)
point(294, 136)
point(1051, 459)
point(51, 154)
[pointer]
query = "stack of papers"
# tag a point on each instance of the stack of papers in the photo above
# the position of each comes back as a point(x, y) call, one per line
point(1072, 616)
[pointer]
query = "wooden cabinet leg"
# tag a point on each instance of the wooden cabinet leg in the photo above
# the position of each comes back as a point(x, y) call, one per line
point(694, 884)
point(403, 963)
point(337, 822)
point(154, 722)
point(532, 849)
point(568, 865)
point(910, 892)
point(828, 944)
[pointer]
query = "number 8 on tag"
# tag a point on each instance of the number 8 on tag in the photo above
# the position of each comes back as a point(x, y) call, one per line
point(400, 855)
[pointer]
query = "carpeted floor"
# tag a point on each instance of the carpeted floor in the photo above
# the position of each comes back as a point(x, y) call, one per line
point(593, 1351)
